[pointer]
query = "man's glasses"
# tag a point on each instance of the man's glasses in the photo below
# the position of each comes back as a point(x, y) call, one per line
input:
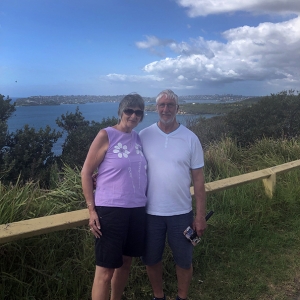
point(168, 105)
point(129, 112)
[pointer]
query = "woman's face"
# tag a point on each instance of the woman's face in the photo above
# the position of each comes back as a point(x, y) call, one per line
point(131, 116)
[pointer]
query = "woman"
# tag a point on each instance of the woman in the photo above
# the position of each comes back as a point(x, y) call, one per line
point(117, 208)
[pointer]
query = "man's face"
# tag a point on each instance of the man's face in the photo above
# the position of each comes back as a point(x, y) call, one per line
point(167, 109)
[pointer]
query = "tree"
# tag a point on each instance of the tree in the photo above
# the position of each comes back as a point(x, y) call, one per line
point(6, 110)
point(72, 121)
point(28, 155)
point(208, 130)
point(80, 134)
point(275, 116)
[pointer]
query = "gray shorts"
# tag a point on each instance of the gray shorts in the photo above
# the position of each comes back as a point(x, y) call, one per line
point(172, 227)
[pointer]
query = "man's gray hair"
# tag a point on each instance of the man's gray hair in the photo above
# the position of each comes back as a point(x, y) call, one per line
point(169, 93)
point(131, 100)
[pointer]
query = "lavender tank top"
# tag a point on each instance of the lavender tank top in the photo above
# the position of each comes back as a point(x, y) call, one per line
point(122, 175)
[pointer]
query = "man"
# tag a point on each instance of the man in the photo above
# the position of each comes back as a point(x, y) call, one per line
point(174, 156)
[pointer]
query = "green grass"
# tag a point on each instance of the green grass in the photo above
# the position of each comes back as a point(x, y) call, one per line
point(251, 245)
point(249, 251)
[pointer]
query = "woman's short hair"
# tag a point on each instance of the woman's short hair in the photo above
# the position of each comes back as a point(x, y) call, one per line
point(169, 93)
point(131, 100)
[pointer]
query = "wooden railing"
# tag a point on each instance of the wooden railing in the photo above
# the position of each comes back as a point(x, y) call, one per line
point(32, 227)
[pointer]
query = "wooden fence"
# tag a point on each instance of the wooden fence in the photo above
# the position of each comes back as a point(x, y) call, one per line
point(32, 227)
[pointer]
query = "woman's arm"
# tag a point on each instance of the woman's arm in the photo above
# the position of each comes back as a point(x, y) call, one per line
point(94, 158)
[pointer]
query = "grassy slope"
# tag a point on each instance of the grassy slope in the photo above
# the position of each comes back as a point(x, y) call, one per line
point(250, 249)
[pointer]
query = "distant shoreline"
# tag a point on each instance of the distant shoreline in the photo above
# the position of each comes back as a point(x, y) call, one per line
point(83, 99)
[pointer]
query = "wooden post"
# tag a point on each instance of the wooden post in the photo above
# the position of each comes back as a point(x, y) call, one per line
point(270, 183)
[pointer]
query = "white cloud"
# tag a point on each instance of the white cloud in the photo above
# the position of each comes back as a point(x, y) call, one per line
point(152, 41)
point(268, 52)
point(154, 44)
point(131, 78)
point(207, 7)
point(196, 46)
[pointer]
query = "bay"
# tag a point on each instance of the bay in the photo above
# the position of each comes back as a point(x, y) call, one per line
point(41, 116)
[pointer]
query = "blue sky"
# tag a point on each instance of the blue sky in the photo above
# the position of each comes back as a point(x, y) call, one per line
point(113, 47)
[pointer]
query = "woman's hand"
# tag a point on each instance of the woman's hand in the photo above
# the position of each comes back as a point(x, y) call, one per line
point(94, 224)
point(94, 158)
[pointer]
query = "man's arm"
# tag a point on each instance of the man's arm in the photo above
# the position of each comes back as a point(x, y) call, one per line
point(200, 196)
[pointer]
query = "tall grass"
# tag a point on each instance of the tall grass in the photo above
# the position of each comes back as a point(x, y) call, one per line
point(18, 202)
point(249, 251)
point(57, 265)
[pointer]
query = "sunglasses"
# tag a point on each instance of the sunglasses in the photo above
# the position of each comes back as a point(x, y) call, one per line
point(129, 112)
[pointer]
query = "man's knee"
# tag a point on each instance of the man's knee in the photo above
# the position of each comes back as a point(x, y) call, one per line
point(126, 262)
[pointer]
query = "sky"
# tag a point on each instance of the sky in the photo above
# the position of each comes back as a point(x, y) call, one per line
point(115, 47)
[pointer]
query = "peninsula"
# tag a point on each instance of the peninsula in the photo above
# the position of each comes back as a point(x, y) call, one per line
point(82, 99)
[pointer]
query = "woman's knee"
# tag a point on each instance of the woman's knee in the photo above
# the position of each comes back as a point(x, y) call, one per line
point(103, 274)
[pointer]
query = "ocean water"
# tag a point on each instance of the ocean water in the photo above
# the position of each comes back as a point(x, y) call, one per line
point(40, 116)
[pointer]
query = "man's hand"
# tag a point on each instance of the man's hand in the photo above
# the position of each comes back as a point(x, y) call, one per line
point(199, 225)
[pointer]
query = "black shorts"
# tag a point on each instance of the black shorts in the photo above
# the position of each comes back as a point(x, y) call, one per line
point(123, 233)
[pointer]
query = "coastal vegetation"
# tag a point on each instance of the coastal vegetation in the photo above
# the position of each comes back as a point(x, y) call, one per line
point(275, 116)
point(249, 251)
point(217, 108)
point(79, 135)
